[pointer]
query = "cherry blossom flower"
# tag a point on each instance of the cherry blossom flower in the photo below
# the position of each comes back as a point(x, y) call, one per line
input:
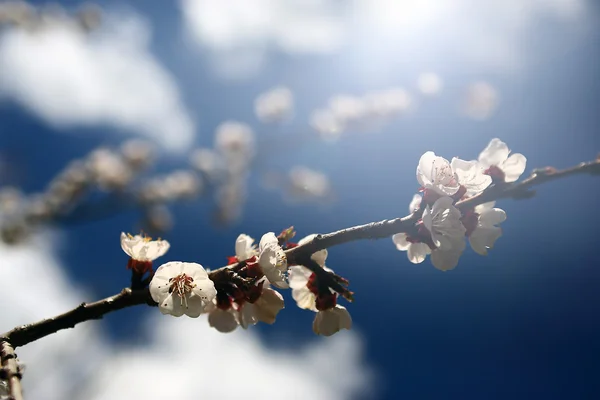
point(441, 235)
point(275, 105)
point(496, 161)
point(272, 260)
point(227, 314)
point(142, 250)
point(443, 221)
point(182, 288)
point(330, 317)
point(485, 232)
point(470, 175)
point(330, 321)
point(435, 173)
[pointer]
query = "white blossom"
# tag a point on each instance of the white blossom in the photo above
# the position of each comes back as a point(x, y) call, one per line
point(486, 232)
point(416, 252)
point(443, 221)
point(109, 169)
point(244, 247)
point(481, 100)
point(497, 154)
point(470, 175)
point(235, 139)
point(182, 288)
point(309, 183)
point(143, 248)
point(435, 173)
point(272, 260)
point(388, 102)
point(429, 83)
point(274, 105)
point(330, 321)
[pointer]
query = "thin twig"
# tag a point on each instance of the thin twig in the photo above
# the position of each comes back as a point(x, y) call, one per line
point(10, 370)
point(299, 255)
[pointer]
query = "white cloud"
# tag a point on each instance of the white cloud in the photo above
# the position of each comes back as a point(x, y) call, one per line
point(488, 33)
point(183, 358)
point(108, 77)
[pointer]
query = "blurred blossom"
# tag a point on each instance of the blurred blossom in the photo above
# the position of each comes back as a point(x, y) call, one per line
point(481, 100)
point(307, 183)
point(137, 153)
point(109, 169)
point(18, 13)
point(275, 105)
point(230, 198)
point(326, 124)
point(11, 200)
point(208, 162)
point(157, 218)
point(235, 139)
point(388, 102)
point(429, 83)
point(177, 185)
point(348, 110)
point(89, 16)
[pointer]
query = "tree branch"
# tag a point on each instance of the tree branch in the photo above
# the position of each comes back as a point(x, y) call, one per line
point(25, 334)
point(10, 370)
point(299, 255)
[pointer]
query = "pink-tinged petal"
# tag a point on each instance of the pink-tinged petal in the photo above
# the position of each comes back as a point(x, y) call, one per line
point(484, 238)
point(401, 242)
point(495, 153)
point(417, 252)
point(223, 321)
point(492, 217)
point(514, 167)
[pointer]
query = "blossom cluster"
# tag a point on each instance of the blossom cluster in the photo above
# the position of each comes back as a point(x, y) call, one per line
point(240, 294)
point(21, 14)
point(443, 229)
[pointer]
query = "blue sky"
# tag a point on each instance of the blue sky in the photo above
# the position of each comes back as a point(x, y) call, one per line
point(520, 323)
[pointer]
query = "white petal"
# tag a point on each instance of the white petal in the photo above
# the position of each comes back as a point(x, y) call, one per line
point(427, 218)
point(445, 260)
point(330, 321)
point(298, 276)
point(470, 175)
point(304, 298)
point(401, 242)
point(417, 252)
point(513, 167)
point(415, 203)
point(247, 316)
point(276, 278)
point(268, 305)
point(481, 208)
point(268, 239)
point(495, 153)
point(156, 248)
point(223, 321)
point(483, 238)
point(243, 247)
point(171, 305)
point(194, 306)
point(492, 217)
point(425, 168)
